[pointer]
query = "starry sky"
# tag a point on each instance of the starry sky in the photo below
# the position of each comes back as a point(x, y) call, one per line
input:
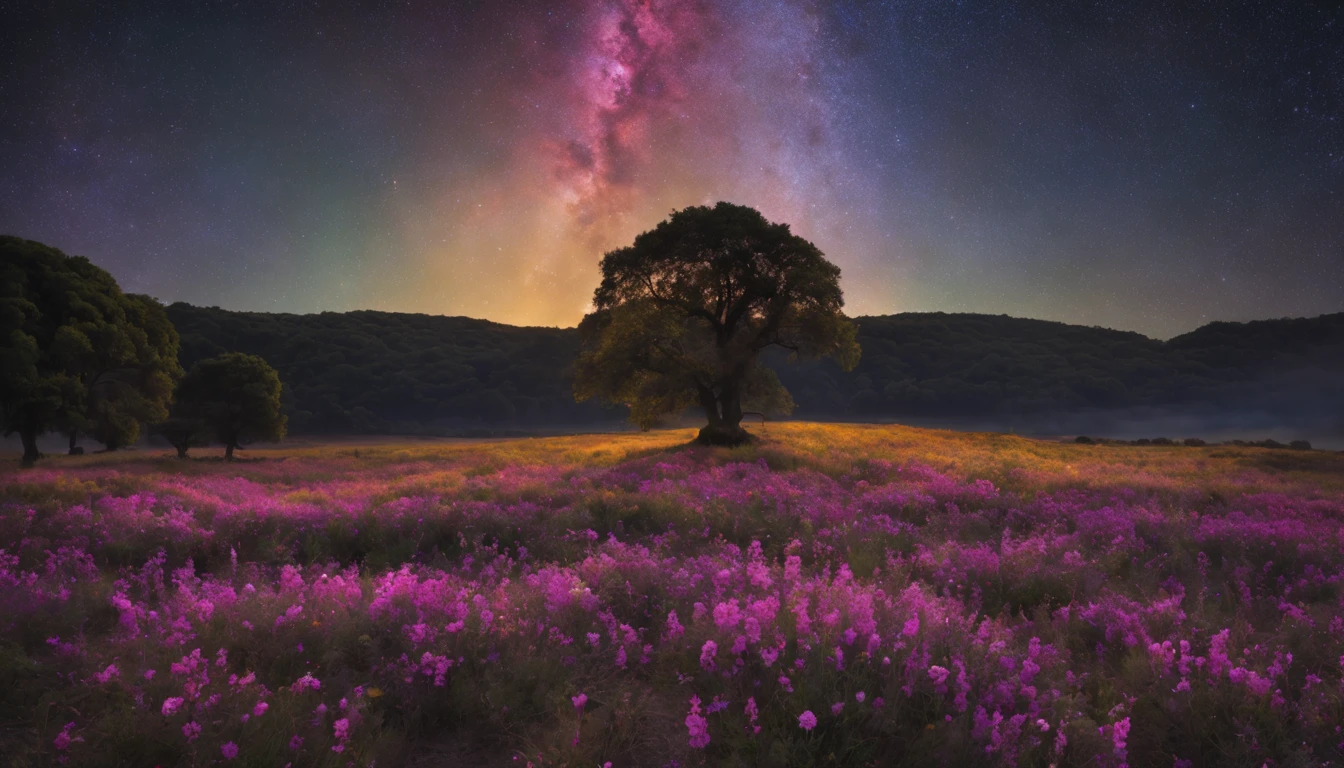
point(1148, 166)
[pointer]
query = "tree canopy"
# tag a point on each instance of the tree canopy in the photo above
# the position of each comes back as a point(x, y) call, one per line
point(236, 397)
point(78, 354)
point(682, 316)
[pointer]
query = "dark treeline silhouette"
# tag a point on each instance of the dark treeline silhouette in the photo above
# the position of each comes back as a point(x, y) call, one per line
point(386, 372)
point(371, 372)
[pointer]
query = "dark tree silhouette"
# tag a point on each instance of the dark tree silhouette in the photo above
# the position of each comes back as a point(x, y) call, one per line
point(236, 396)
point(75, 352)
point(134, 385)
point(683, 314)
point(183, 434)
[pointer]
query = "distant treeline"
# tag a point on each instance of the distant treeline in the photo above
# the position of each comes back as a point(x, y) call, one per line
point(380, 372)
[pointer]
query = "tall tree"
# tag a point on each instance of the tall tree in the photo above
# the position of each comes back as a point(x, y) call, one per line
point(236, 396)
point(76, 352)
point(133, 387)
point(683, 314)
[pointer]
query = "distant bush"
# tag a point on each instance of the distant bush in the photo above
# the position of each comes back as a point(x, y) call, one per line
point(1085, 440)
point(1163, 441)
point(1193, 442)
point(1300, 445)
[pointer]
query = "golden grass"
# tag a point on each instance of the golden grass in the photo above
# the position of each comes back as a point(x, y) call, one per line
point(1006, 460)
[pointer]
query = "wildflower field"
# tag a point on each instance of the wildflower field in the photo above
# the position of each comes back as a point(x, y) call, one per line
point(844, 595)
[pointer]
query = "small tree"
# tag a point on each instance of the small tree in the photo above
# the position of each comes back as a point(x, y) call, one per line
point(236, 396)
point(683, 314)
point(183, 434)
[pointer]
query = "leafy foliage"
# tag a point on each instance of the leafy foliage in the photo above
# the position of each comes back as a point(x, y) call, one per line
point(236, 396)
point(78, 354)
point(682, 316)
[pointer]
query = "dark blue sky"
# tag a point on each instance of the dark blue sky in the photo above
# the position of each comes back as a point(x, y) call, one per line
point(1148, 165)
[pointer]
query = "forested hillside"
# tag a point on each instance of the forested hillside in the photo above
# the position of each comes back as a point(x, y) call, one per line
point(379, 372)
point(382, 371)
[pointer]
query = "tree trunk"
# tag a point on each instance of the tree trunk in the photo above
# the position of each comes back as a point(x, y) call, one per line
point(29, 438)
point(73, 436)
point(228, 449)
point(711, 406)
point(725, 419)
point(182, 450)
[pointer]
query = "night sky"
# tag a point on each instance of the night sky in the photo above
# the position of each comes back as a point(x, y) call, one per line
point(1143, 166)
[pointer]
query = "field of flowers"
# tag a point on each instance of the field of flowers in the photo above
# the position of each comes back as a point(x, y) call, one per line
point(839, 595)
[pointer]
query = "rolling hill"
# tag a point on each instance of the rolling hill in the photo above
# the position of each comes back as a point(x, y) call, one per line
point(369, 372)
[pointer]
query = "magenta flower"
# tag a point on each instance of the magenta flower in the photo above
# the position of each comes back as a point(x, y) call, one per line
point(807, 721)
point(260, 709)
point(837, 707)
point(171, 705)
point(697, 726)
point(1119, 734)
point(229, 750)
point(938, 674)
point(63, 739)
point(108, 674)
point(707, 652)
point(579, 700)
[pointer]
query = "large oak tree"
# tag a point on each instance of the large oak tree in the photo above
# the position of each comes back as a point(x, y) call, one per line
point(682, 316)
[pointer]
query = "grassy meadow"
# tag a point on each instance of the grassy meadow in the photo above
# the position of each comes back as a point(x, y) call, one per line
point(829, 595)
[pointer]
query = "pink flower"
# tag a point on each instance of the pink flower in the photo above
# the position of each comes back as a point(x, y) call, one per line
point(1119, 734)
point(341, 729)
point(707, 652)
point(860, 696)
point(108, 674)
point(752, 713)
point(938, 674)
point(836, 707)
point(191, 730)
point(296, 742)
point(579, 700)
point(229, 750)
point(807, 721)
point(697, 726)
point(727, 615)
point(911, 627)
point(260, 709)
point(307, 681)
point(63, 739)
point(171, 705)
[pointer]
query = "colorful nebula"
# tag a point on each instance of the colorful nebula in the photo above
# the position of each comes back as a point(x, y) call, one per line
point(1135, 165)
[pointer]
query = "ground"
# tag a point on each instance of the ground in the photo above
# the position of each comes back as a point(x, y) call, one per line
point(948, 597)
